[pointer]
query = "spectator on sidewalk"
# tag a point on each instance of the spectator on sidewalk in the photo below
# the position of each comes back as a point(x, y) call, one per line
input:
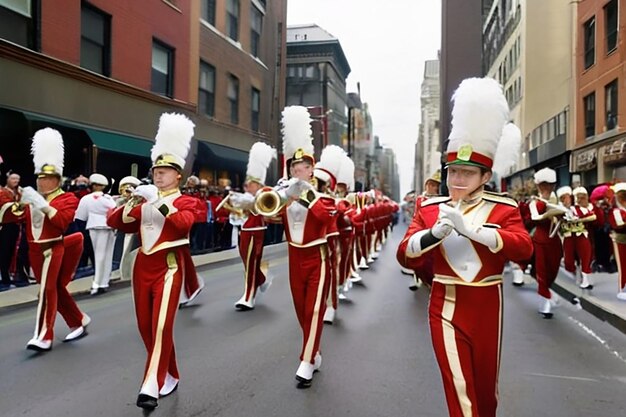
point(93, 209)
point(80, 188)
point(9, 236)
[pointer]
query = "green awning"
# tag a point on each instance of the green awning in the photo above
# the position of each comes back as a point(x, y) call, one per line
point(116, 142)
point(105, 140)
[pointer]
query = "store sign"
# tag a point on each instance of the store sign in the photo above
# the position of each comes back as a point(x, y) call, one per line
point(586, 160)
point(616, 152)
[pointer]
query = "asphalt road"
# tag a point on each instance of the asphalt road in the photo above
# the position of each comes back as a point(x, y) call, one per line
point(377, 357)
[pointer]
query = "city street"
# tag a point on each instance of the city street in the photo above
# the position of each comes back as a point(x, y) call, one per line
point(377, 357)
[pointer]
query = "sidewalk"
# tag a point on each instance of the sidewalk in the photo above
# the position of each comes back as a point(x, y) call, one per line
point(601, 301)
point(20, 297)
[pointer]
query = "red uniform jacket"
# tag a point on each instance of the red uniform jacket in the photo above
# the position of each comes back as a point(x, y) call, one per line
point(459, 260)
point(306, 224)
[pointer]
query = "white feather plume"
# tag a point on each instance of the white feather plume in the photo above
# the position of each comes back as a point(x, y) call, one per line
point(173, 137)
point(47, 149)
point(480, 112)
point(296, 131)
point(261, 155)
point(331, 159)
point(346, 173)
point(508, 149)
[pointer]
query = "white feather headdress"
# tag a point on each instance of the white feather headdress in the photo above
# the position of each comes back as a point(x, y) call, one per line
point(297, 134)
point(261, 155)
point(327, 169)
point(346, 173)
point(48, 152)
point(478, 117)
point(172, 141)
point(508, 149)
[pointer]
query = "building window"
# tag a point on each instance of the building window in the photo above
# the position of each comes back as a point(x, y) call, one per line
point(208, 11)
point(162, 69)
point(233, 98)
point(590, 114)
point(610, 93)
point(610, 24)
point(17, 23)
point(589, 31)
point(256, 24)
point(95, 40)
point(232, 19)
point(256, 108)
point(206, 93)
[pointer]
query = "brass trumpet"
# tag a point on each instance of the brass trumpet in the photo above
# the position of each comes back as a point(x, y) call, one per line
point(269, 202)
point(238, 214)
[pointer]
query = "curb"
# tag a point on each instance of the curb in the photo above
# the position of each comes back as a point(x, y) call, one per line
point(230, 256)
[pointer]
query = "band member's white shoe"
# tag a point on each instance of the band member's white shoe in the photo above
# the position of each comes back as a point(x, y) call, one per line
point(244, 305)
point(406, 271)
point(518, 277)
point(621, 295)
point(86, 320)
point(370, 260)
point(318, 362)
point(356, 280)
point(585, 283)
point(363, 264)
point(266, 285)
point(39, 345)
point(304, 374)
point(76, 334)
point(545, 308)
point(342, 295)
point(329, 315)
point(375, 255)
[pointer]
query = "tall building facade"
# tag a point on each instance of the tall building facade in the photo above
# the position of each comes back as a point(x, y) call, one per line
point(528, 48)
point(428, 147)
point(599, 153)
point(102, 71)
point(317, 69)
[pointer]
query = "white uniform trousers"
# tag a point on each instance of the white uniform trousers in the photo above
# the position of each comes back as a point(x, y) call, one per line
point(103, 241)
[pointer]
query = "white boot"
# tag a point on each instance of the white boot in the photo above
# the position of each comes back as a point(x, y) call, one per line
point(363, 264)
point(545, 308)
point(329, 315)
point(406, 271)
point(76, 334)
point(621, 295)
point(244, 305)
point(370, 260)
point(585, 283)
point(39, 345)
point(318, 362)
point(518, 277)
point(304, 374)
point(415, 284)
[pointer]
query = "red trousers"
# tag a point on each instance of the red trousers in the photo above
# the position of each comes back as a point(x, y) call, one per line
point(577, 247)
point(54, 265)
point(346, 240)
point(157, 282)
point(333, 263)
point(547, 262)
point(363, 247)
point(310, 283)
point(251, 252)
point(620, 258)
point(466, 330)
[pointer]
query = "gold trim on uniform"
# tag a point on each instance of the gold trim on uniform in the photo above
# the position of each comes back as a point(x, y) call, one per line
point(310, 343)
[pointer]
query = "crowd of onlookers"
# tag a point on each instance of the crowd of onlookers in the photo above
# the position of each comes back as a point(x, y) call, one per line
point(211, 232)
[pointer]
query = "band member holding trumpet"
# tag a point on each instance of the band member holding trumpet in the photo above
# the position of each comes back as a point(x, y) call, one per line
point(325, 173)
point(93, 209)
point(617, 219)
point(306, 215)
point(471, 235)
point(545, 213)
point(345, 211)
point(48, 212)
point(163, 217)
point(253, 224)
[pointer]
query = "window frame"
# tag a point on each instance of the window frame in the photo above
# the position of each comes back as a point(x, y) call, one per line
point(234, 102)
point(589, 43)
point(614, 33)
point(611, 102)
point(255, 36)
point(106, 47)
point(255, 115)
point(209, 110)
point(170, 67)
point(207, 11)
point(230, 18)
point(589, 115)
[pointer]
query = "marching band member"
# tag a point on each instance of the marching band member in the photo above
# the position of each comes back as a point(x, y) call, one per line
point(580, 217)
point(53, 257)
point(617, 219)
point(125, 189)
point(306, 217)
point(93, 209)
point(326, 172)
point(470, 235)
point(345, 211)
point(544, 213)
point(253, 228)
point(163, 217)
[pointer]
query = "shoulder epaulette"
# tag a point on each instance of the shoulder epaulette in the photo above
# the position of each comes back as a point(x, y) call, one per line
point(435, 200)
point(501, 198)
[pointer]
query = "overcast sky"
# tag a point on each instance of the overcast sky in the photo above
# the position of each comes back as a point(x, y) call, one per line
point(386, 43)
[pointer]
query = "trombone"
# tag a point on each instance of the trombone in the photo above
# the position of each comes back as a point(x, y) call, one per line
point(237, 213)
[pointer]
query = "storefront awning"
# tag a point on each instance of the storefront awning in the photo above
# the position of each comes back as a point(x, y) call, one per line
point(221, 157)
point(102, 139)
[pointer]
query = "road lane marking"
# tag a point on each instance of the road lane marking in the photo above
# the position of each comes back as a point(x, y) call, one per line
point(572, 378)
point(599, 339)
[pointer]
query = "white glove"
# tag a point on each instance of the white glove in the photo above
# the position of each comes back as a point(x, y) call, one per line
point(297, 187)
point(482, 235)
point(442, 228)
point(36, 200)
point(242, 200)
point(149, 192)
